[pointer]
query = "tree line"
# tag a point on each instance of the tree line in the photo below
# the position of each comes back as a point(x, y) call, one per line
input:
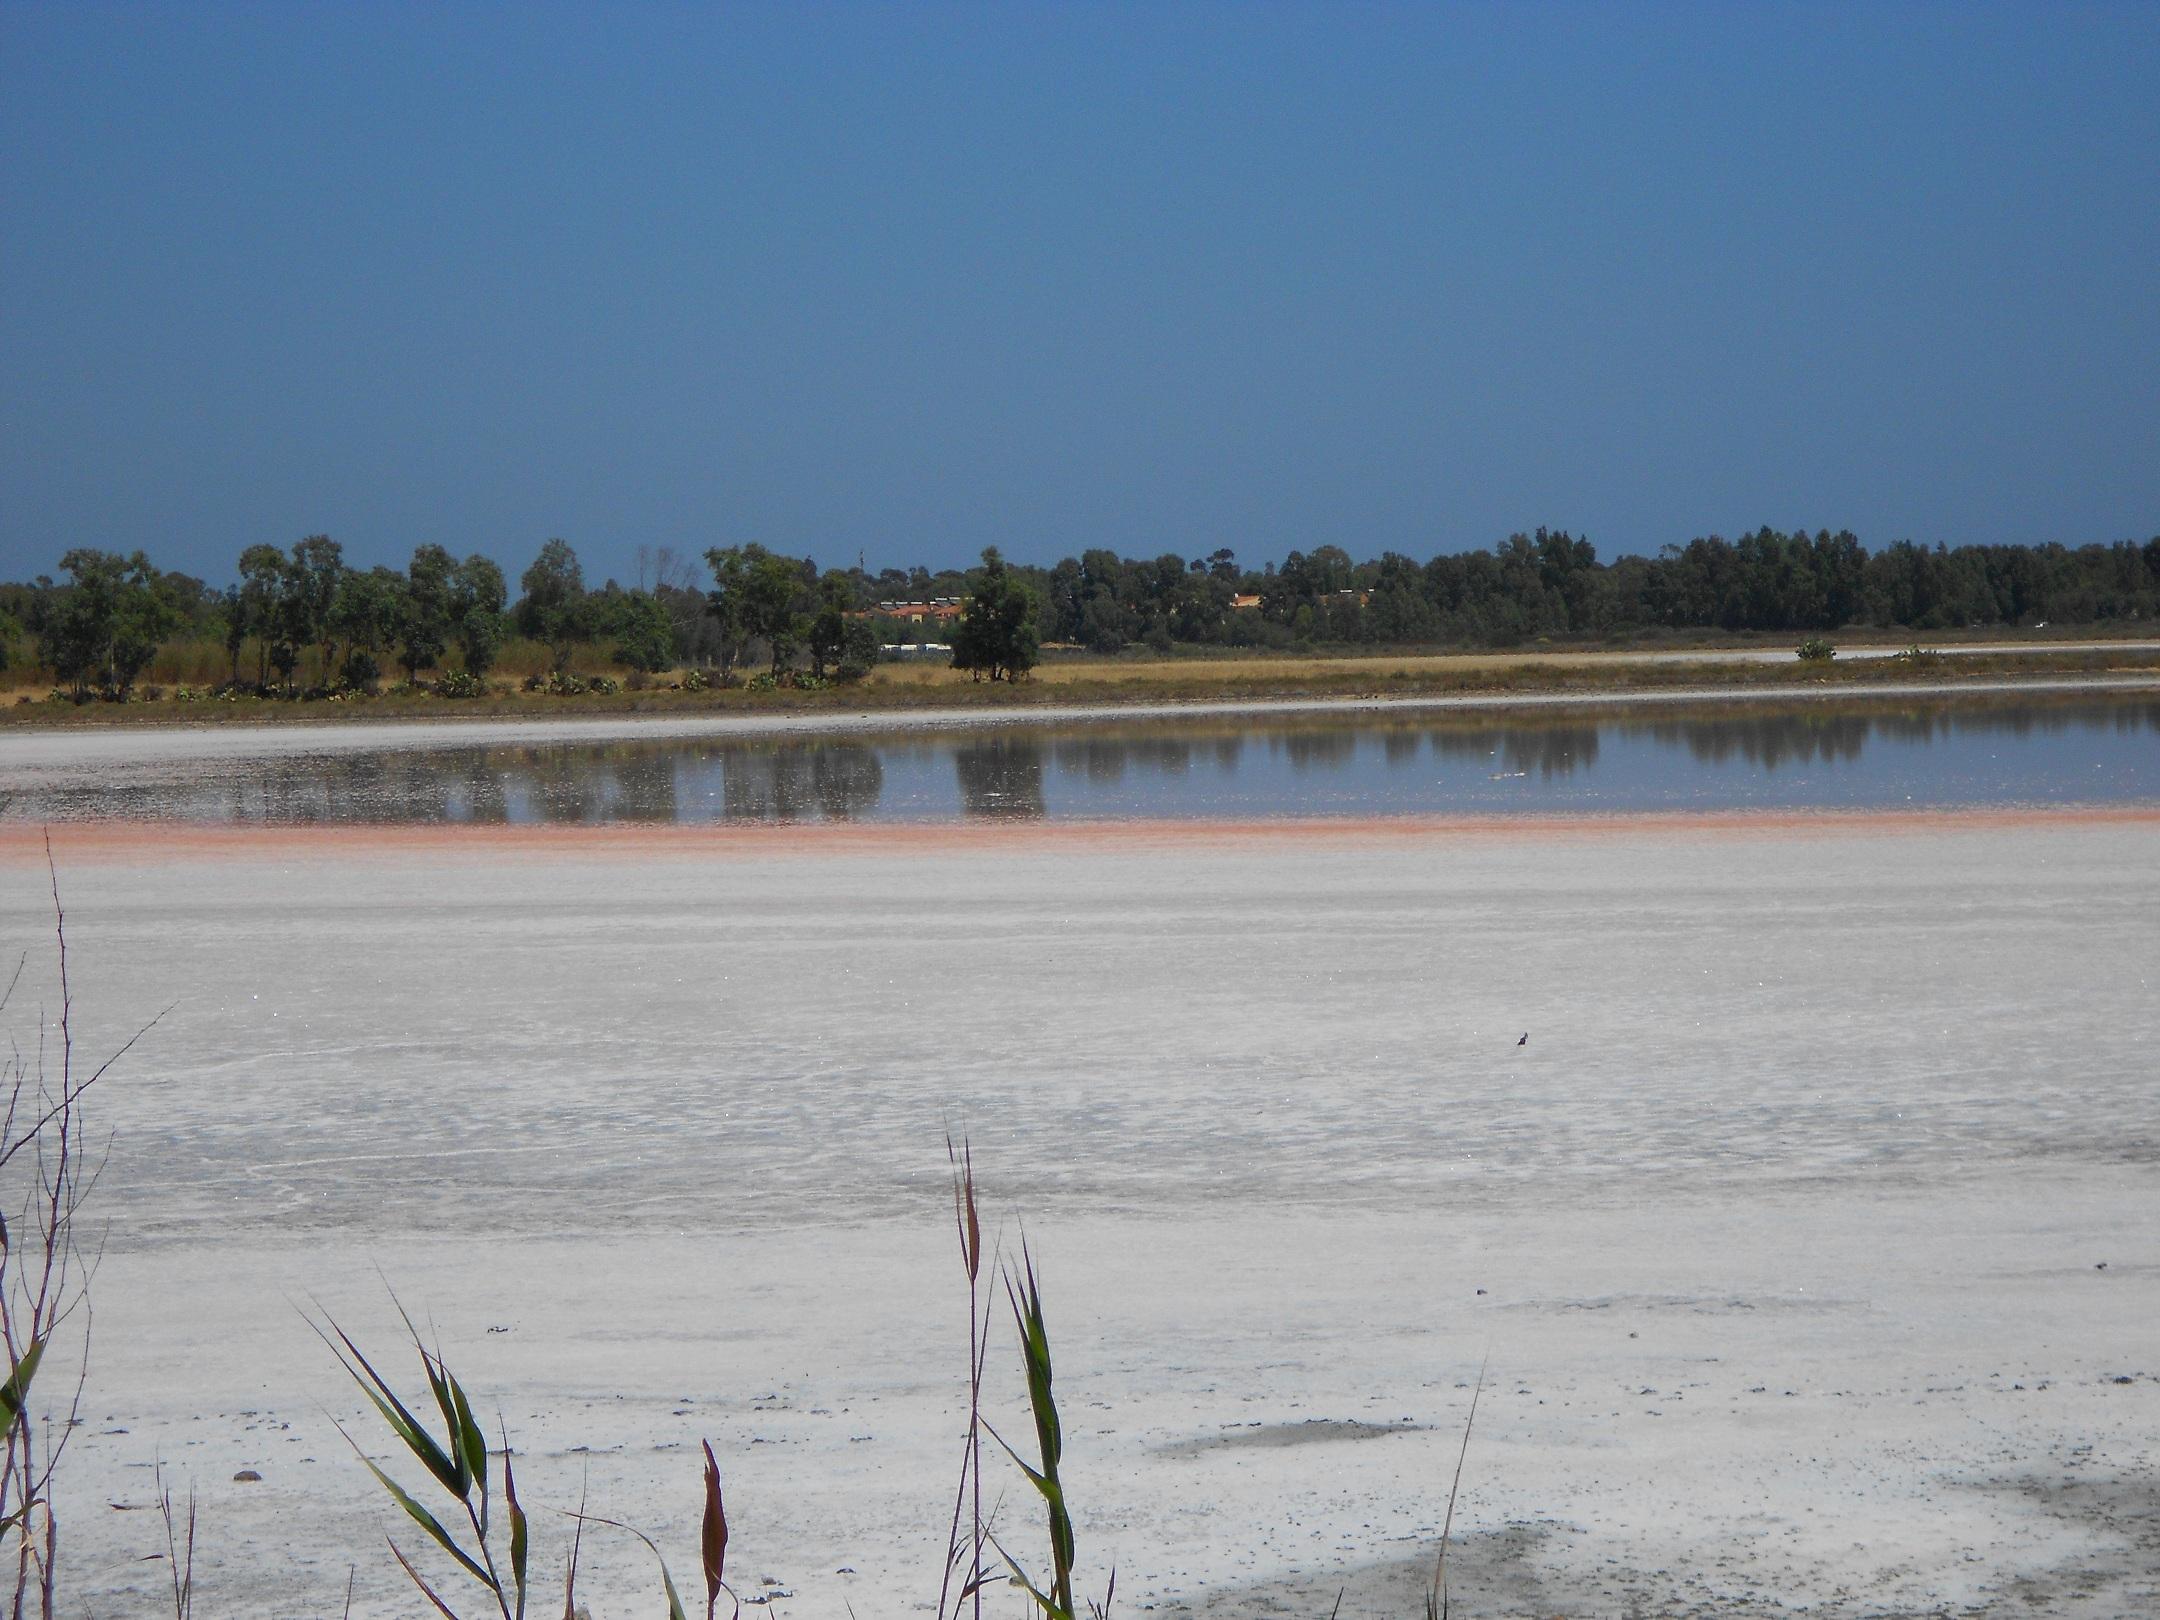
point(302, 621)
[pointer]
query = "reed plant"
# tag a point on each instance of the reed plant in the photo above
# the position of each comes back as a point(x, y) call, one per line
point(493, 1553)
point(967, 1219)
point(458, 1463)
point(49, 1165)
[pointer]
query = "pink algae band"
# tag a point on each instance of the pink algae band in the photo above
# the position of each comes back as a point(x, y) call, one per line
point(137, 842)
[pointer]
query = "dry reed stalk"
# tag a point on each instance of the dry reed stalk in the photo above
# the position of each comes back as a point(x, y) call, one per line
point(1436, 1599)
point(967, 1221)
point(179, 1546)
point(45, 1271)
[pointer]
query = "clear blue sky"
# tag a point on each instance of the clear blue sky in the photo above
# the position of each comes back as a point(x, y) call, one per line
point(911, 280)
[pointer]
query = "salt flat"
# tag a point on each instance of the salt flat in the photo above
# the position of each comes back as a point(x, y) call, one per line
point(1783, 1233)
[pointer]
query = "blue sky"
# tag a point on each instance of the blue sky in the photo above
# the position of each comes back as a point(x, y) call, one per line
point(911, 280)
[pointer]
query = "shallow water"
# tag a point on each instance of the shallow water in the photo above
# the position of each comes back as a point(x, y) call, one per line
point(2093, 750)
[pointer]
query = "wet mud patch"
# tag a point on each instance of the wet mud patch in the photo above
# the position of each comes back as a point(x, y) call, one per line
point(2118, 1574)
point(1275, 1436)
point(1490, 1574)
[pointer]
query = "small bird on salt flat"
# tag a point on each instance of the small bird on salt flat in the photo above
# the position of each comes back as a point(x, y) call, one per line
point(1525, 1041)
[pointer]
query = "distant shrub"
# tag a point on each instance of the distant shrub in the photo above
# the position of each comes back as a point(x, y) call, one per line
point(360, 672)
point(461, 683)
point(1816, 650)
point(696, 681)
point(557, 683)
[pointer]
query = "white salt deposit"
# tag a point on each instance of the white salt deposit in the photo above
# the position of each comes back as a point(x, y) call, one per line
point(1782, 1233)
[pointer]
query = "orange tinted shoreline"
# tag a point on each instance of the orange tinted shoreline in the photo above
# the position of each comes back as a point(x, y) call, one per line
point(157, 842)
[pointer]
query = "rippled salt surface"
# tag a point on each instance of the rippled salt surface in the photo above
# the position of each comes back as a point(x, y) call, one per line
point(1781, 1231)
point(2096, 749)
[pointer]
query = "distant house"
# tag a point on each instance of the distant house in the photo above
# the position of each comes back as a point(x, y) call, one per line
point(1244, 604)
point(938, 610)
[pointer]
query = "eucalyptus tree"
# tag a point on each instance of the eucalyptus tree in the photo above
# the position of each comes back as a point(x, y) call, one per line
point(366, 612)
point(109, 624)
point(644, 632)
point(423, 629)
point(311, 586)
point(253, 607)
point(726, 604)
point(476, 599)
point(997, 636)
point(552, 608)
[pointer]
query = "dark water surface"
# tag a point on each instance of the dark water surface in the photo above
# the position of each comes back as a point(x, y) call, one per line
point(2093, 751)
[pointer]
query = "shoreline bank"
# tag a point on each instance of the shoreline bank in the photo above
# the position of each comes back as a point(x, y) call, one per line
point(907, 690)
point(66, 745)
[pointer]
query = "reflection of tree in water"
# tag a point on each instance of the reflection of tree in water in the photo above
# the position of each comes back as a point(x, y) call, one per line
point(1555, 750)
point(998, 776)
point(2137, 717)
point(1001, 776)
point(364, 789)
point(597, 783)
point(1458, 745)
point(1549, 750)
point(791, 780)
point(1820, 736)
point(1105, 759)
point(1768, 740)
point(848, 779)
point(1330, 750)
point(474, 790)
point(772, 783)
point(638, 785)
point(1166, 756)
point(1099, 759)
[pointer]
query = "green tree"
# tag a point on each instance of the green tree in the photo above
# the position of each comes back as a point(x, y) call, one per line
point(758, 595)
point(255, 607)
point(858, 650)
point(828, 629)
point(236, 630)
point(997, 636)
point(644, 632)
point(423, 630)
point(366, 612)
point(727, 605)
point(477, 592)
point(109, 623)
point(552, 608)
point(311, 586)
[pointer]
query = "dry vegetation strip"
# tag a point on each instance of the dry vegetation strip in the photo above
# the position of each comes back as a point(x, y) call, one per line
point(901, 687)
